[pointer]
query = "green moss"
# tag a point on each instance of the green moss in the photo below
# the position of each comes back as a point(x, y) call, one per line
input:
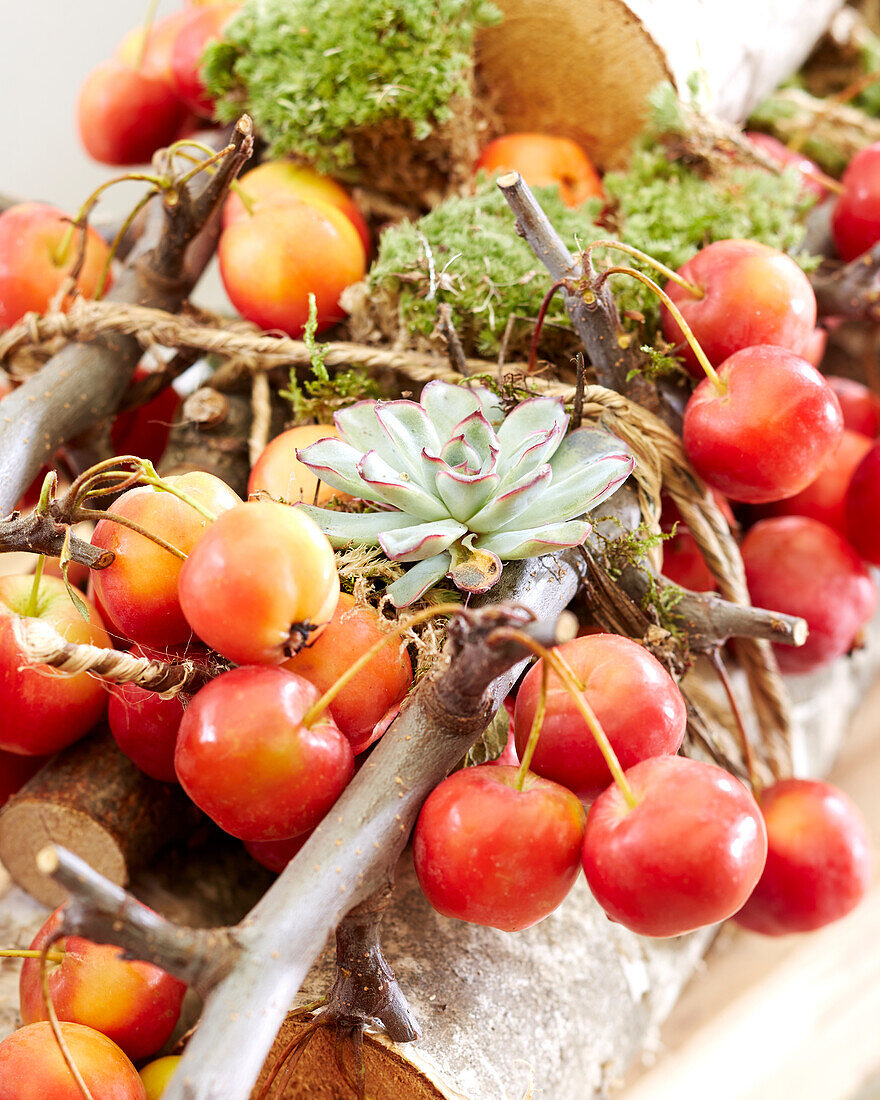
point(482, 268)
point(311, 71)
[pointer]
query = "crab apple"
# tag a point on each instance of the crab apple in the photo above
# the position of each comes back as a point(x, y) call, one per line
point(157, 1075)
point(825, 497)
point(380, 685)
point(201, 27)
point(768, 434)
point(683, 561)
point(139, 589)
point(15, 771)
point(863, 507)
point(543, 160)
point(32, 1066)
point(259, 583)
point(490, 854)
point(246, 759)
point(859, 405)
point(810, 172)
point(143, 724)
point(272, 262)
point(125, 114)
point(36, 257)
point(818, 859)
point(275, 855)
point(136, 1004)
point(750, 294)
point(799, 566)
point(855, 220)
point(814, 347)
point(144, 431)
point(276, 179)
point(634, 698)
point(687, 854)
point(279, 472)
point(154, 57)
point(44, 711)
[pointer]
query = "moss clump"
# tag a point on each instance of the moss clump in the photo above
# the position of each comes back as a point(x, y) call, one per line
point(312, 71)
point(480, 267)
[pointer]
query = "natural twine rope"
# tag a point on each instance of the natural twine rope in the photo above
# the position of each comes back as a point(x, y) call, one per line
point(660, 459)
point(41, 644)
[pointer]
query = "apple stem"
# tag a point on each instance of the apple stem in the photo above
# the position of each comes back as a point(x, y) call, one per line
point(748, 754)
point(114, 247)
point(317, 709)
point(145, 33)
point(636, 253)
point(55, 1026)
point(204, 164)
point(19, 953)
point(151, 477)
point(573, 686)
point(34, 599)
point(247, 200)
point(534, 732)
point(710, 371)
point(98, 513)
point(539, 322)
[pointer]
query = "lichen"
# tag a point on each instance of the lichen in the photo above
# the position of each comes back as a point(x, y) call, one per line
point(312, 71)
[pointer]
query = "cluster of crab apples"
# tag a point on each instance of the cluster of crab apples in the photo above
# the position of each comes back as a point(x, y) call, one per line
point(303, 679)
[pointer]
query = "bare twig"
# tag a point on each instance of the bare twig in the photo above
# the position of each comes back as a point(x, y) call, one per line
point(36, 533)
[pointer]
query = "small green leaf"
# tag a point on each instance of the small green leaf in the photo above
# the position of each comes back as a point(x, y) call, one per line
point(64, 560)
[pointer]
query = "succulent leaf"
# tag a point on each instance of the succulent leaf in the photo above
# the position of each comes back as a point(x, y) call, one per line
point(345, 529)
point(513, 545)
point(416, 581)
point(464, 494)
point(336, 462)
point(509, 506)
point(398, 489)
point(424, 540)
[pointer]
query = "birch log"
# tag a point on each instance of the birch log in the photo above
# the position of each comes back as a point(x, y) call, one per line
point(584, 68)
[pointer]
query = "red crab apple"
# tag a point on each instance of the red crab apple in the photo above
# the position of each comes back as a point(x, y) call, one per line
point(155, 57)
point(275, 855)
point(201, 27)
point(542, 160)
point(139, 589)
point(799, 566)
point(259, 583)
point(768, 432)
point(810, 172)
point(277, 179)
point(683, 561)
point(36, 258)
point(488, 853)
point(750, 294)
point(863, 507)
point(15, 771)
point(246, 759)
point(818, 859)
point(825, 497)
point(44, 711)
point(125, 114)
point(272, 261)
point(687, 854)
point(859, 405)
point(378, 687)
point(143, 724)
point(32, 1066)
point(855, 221)
point(634, 698)
point(135, 1004)
point(280, 473)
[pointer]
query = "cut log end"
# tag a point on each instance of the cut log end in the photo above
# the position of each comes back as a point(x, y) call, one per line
point(31, 829)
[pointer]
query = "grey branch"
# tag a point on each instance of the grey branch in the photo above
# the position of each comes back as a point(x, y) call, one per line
point(36, 533)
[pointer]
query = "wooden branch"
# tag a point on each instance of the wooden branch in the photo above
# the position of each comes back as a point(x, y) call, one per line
point(851, 290)
point(34, 533)
point(107, 914)
point(80, 386)
point(41, 644)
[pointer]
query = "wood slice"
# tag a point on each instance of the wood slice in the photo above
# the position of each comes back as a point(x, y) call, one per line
point(584, 68)
point(93, 800)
